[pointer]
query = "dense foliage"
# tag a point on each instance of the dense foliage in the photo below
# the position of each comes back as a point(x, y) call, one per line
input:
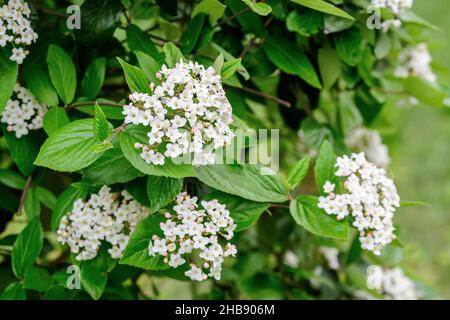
point(92, 127)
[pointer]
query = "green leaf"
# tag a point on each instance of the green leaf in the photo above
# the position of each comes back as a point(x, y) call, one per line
point(246, 181)
point(244, 212)
point(112, 167)
point(99, 19)
point(173, 54)
point(14, 291)
point(101, 125)
point(133, 134)
point(213, 8)
point(38, 81)
point(46, 197)
point(162, 191)
point(324, 169)
point(12, 179)
point(8, 78)
point(305, 212)
point(64, 204)
point(62, 73)
point(322, 6)
point(93, 78)
point(37, 279)
point(329, 67)
point(291, 60)
point(218, 63)
point(261, 8)
point(149, 66)
point(414, 204)
point(138, 40)
point(93, 279)
point(348, 46)
point(23, 150)
point(190, 37)
point(306, 24)
point(251, 22)
point(425, 91)
point(111, 112)
point(135, 77)
point(55, 118)
point(27, 247)
point(32, 206)
point(136, 252)
point(71, 148)
point(229, 68)
point(299, 172)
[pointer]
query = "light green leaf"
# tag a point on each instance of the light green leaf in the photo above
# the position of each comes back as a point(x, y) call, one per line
point(261, 8)
point(173, 54)
point(244, 212)
point(348, 46)
point(291, 60)
point(136, 252)
point(62, 73)
point(229, 68)
point(27, 247)
point(214, 8)
point(299, 172)
point(135, 77)
point(322, 6)
point(93, 78)
point(329, 67)
point(101, 125)
point(305, 212)
point(37, 279)
point(46, 197)
point(149, 66)
point(55, 118)
point(246, 181)
point(93, 279)
point(8, 77)
point(426, 92)
point(71, 148)
point(133, 134)
point(218, 63)
point(324, 168)
point(162, 191)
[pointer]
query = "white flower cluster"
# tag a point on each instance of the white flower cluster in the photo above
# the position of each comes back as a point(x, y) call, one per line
point(372, 199)
point(23, 112)
point(369, 141)
point(415, 61)
point(191, 232)
point(187, 113)
point(397, 7)
point(15, 28)
point(106, 216)
point(392, 283)
point(331, 255)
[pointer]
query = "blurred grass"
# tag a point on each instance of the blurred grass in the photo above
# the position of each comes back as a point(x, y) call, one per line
point(421, 165)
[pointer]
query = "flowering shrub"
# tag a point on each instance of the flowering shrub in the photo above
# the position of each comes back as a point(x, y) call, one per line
point(136, 149)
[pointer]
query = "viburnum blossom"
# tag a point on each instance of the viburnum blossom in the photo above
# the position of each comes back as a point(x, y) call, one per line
point(23, 112)
point(397, 7)
point(196, 232)
point(371, 198)
point(392, 283)
point(369, 141)
point(331, 255)
point(106, 216)
point(415, 61)
point(186, 113)
point(15, 28)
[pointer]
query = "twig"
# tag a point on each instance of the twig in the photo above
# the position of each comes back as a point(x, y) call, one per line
point(52, 12)
point(24, 194)
point(228, 19)
point(89, 103)
point(279, 205)
point(263, 95)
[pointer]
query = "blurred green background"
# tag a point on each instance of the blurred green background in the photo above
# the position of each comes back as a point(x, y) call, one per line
point(421, 154)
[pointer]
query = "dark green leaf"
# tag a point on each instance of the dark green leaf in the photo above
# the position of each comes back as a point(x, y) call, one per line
point(12, 179)
point(62, 73)
point(65, 204)
point(37, 279)
point(93, 78)
point(23, 150)
point(162, 191)
point(54, 119)
point(324, 169)
point(38, 81)
point(8, 77)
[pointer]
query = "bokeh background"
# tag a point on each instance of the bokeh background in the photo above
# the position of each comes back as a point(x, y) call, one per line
point(421, 166)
